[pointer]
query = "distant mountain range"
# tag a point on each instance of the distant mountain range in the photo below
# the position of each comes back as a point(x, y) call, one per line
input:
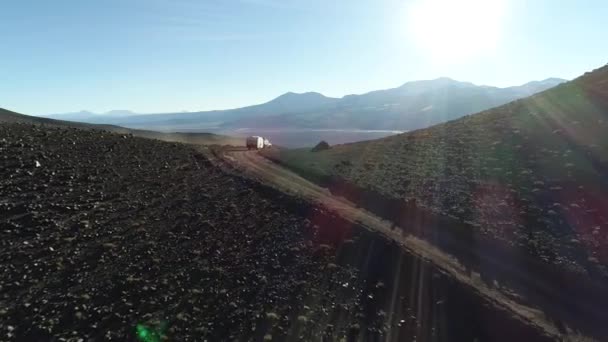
point(413, 105)
point(90, 117)
point(200, 138)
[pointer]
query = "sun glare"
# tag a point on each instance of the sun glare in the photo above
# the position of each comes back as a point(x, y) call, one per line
point(451, 30)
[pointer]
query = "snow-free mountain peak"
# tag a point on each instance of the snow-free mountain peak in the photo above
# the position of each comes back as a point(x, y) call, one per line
point(413, 105)
point(297, 102)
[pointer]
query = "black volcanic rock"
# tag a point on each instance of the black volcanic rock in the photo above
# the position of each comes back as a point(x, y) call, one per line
point(111, 235)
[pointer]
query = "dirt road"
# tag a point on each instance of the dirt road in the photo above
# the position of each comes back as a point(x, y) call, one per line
point(287, 181)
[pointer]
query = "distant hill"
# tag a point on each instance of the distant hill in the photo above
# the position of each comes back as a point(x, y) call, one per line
point(413, 105)
point(532, 173)
point(81, 116)
point(292, 102)
point(90, 117)
point(286, 103)
point(7, 116)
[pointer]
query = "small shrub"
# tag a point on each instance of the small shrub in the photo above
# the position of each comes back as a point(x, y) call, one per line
point(321, 146)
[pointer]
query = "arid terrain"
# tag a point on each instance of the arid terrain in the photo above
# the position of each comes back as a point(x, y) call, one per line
point(102, 232)
point(112, 237)
point(569, 306)
point(529, 176)
point(323, 171)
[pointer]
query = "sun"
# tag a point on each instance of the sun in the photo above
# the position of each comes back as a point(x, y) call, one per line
point(454, 30)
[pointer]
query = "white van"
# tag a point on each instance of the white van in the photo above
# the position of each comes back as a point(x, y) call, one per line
point(255, 142)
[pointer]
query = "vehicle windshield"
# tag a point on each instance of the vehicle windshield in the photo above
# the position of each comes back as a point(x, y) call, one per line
point(303, 170)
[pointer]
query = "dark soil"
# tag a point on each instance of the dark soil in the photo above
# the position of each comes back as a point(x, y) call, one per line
point(106, 236)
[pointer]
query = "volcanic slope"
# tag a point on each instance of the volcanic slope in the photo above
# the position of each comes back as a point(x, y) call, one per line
point(188, 138)
point(112, 237)
point(532, 174)
point(103, 236)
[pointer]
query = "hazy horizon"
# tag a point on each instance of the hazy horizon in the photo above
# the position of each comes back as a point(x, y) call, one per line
point(278, 95)
point(172, 56)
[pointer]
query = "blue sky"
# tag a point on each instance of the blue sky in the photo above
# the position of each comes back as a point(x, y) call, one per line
point(173, 55)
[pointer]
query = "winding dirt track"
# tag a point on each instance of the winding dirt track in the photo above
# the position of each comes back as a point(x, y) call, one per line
point(270, 173)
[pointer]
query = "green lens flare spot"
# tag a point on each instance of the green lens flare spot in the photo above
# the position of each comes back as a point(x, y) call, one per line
point(146, 334)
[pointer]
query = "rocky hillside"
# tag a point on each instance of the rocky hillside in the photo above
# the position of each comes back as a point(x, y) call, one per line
point(105, 236)
point(532, 174)
point(117, 238)
point(110, 237)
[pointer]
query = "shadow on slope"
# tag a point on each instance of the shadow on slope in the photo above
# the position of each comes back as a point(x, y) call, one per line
point(518, 193)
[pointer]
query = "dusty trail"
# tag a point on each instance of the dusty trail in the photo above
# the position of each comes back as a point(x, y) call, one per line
point(287, 181)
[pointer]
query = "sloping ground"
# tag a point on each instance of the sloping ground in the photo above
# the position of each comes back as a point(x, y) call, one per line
point(102, 232)
point(7, 116)
point(111, 237)
point(532, 174)
point(568, 303)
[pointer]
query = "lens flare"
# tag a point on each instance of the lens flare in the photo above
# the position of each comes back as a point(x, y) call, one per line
point(451, 30)
point(146, 334)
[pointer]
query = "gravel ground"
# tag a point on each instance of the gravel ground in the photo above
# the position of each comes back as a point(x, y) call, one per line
point(111, 237)
point(104, 233)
